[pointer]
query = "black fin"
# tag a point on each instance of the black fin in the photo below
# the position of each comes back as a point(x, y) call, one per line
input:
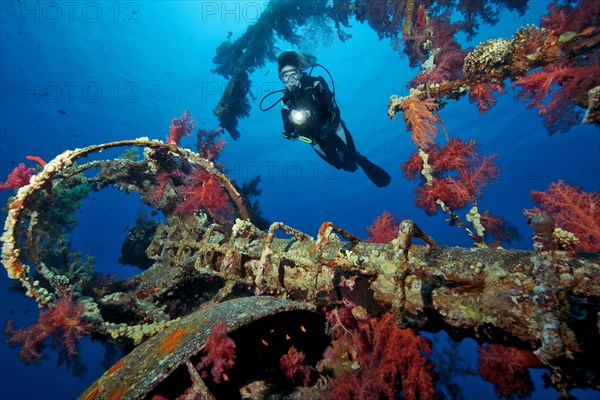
point(375, 173)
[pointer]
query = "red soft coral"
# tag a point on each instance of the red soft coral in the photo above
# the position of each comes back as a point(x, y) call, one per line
point(573, 210)
point(452, 192)
point(157, 191)
point(155, 195)
point(293, 367)
point(392, 361)
point(420, 17)
point(445, 52)
point(384, 229)
point(506, 369)
point(456, 155)
point(220, 353)
point(412, 168)
point(481, 171)
point(203, 191)
point(180, 127)
point(399, 353)
point(483, 94)
point(18, 177)
point(458, 173)
point(565, 17)
point(572, 84)
point(64, 318)
point(499, 229)
point(209, 146)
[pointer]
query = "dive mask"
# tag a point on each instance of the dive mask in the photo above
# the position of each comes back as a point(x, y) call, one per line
point(290, 76)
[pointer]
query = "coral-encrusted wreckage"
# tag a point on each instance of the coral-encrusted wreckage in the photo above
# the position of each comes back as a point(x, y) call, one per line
point(229, 306)
point(337, 289)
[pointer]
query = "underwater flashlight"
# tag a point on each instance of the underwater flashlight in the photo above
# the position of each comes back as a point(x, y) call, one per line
point(299, 116)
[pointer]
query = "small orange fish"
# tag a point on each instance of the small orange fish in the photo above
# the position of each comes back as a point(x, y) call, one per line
point(587, 31)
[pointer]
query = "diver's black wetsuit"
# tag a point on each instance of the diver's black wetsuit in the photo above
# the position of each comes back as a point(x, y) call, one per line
point(324, 127)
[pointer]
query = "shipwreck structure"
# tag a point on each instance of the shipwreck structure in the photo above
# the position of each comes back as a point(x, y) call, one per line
point(226, 307)
point(545, 301)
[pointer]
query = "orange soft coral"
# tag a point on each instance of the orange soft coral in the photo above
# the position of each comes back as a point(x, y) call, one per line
point(483, 94)
point(573, 210)
point(419, 118)
point(63, 320)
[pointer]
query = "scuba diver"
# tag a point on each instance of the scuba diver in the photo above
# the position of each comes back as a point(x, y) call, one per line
point(310, 114)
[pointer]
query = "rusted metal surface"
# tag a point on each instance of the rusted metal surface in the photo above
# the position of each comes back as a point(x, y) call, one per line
point(140, 371)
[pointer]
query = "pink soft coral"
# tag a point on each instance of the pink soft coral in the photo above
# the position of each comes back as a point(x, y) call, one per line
point(384, 229)
point(180, 127)
point(573, 210)
point(219, 352)
point(64, 318)
point(18, 177)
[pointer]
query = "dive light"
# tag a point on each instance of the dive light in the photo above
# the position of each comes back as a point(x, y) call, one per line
point(298, 117)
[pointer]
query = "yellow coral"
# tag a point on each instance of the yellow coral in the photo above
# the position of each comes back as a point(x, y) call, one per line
point(564, 240)
point(475, 218)
point(486, 56)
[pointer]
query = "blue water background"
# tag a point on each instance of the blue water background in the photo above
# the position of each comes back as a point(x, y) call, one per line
point(122, 70)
